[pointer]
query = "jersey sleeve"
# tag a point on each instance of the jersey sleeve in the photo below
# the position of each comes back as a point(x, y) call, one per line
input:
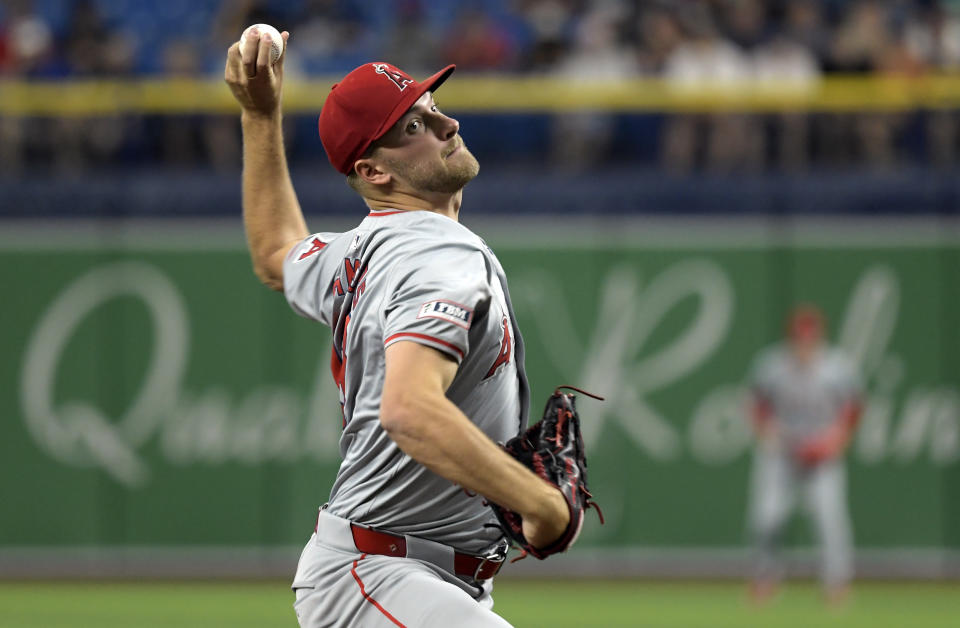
point(308, 271)
point(848, 380)
point(436, 301)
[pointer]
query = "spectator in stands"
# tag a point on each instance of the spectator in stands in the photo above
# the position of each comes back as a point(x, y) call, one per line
point(788, 66)
point(861, 39)
point(192, 139)
point(26, 49)
point(932, 35)
point(729, 141)
point(659, 34)
point(92, 49)
point(476, 42)
point(582, 139)
point(26, 41)
point(549, 22)
point(804, 24)
point(744, 23)
point(858, 47)
point(179, 133)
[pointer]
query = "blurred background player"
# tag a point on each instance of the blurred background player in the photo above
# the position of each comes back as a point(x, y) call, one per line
point(806, 404)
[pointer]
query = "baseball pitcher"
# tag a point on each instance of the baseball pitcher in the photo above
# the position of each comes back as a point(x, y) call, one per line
point(426, 355)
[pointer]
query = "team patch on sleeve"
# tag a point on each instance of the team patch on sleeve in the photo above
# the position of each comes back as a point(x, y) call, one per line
point(447, 311)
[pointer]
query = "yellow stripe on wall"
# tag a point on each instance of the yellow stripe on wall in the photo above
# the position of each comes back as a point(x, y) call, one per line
point(495, 94)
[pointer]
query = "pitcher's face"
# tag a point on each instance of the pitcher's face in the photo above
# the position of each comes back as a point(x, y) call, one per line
point(425, 150)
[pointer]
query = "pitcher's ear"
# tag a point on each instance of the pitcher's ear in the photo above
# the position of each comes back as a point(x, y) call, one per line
point(371, 172)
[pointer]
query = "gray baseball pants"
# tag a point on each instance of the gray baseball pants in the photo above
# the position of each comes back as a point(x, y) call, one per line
point(776, 484)
point(336, 585)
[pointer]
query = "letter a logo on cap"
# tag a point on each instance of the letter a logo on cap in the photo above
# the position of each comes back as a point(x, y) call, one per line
point(397, 78)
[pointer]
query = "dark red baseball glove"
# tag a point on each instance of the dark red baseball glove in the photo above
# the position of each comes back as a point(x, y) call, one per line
point(553, 449)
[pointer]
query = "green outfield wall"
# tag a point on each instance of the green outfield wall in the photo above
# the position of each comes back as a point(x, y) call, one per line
point(154, 394)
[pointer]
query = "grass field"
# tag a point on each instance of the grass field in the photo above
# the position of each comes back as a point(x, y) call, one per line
point(523, 602)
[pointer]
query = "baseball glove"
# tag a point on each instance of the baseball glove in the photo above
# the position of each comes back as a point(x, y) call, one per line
point(553, 449)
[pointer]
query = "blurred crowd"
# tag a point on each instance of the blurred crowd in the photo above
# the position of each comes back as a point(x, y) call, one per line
point(683, 41)
point(680, 38)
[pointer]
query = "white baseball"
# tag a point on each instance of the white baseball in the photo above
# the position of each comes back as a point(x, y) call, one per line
point(276, 41)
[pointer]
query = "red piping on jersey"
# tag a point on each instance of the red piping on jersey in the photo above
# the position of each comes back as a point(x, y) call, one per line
point(376, 214)
point(424, 337)
point(367, 597)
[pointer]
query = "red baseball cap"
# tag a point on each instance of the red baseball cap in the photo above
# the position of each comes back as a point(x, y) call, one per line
point(364, 105)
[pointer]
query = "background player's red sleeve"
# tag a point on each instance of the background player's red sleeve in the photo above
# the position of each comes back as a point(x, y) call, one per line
point(761, 412)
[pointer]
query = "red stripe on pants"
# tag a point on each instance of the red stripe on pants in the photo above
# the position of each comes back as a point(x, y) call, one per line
point(367, 597)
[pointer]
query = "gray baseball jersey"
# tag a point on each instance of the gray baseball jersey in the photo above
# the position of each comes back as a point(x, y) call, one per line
point(804, 398)
point(421, 277)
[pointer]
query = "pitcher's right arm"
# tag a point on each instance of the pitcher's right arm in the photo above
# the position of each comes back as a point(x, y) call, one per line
point(272, 216)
